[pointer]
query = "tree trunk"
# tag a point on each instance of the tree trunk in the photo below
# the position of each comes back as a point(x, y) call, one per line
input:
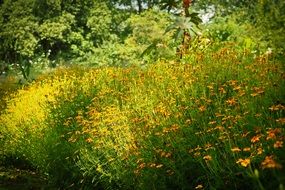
point(186, 35)
point(149, 4)
point(186, 5)
point(140, 5)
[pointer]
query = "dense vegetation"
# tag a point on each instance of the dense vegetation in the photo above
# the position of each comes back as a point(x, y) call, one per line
point(142, 94)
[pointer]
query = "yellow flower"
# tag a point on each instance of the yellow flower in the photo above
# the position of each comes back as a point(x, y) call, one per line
point(212, 122)
point(236, 149)
point(152, 165)
point(199, 186)
point(196, 154)
point(259, 151)
point(159, 166)
point(243, 162)
point(246, 149)
point(254, 94)
point(202, 108)
point(207, 157)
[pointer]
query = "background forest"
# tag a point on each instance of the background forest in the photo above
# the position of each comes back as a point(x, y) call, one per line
point(142, 94)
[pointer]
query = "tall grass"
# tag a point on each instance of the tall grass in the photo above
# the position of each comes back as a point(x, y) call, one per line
point(213, 121)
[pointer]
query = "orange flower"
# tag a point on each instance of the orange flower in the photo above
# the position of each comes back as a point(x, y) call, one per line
point(236, 149)
point(202, 108)
point(278, 144)
point(254, 94)
point(237, 88)
point(271, 133)
point(246, 149)
point(258, 90)
point(142, 165)
point(241, 93)
point(243, 162)
point(219, 115)
point(207, 157)
point(222, 90)
point(277, 107)
point(281, 120)
point(268, 162)
point(245, 134)
point(89, 140)
point(221, 128)
point(231, 101)
point(255, 139)
point(233, 82)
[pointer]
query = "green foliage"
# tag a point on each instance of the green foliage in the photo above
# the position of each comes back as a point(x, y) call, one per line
point(223, 29)
point(148, 28)
point(18, 28)
point(270, 20)
point(214, 119)
point(138, 33)
point(112, 33)
point(99, 22)
point(56, 28)
point(64, 29)
point(185, 24)
point(169, 4)
point(261, 20)
point(7, 86)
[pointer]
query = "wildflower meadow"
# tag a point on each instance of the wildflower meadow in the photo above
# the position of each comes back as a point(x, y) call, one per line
point(142, 95)
point(215, 120)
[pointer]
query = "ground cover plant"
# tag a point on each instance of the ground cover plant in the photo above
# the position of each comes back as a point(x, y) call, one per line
point(213, 120)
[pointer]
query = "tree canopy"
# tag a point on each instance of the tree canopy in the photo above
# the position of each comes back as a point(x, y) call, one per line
point(76, 29)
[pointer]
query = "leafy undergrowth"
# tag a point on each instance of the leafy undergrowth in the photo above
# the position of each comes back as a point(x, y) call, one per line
point(7, 86)
point(14, 179)
point(213, 121)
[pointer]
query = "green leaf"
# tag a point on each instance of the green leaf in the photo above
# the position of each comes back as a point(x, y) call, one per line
point(178, 34)
point(194, 15)
point(150, 48)
point(169, 28)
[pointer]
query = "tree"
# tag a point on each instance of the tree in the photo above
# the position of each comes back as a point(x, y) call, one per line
point(30, 28)
point(169, 4)
point(267, 16)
